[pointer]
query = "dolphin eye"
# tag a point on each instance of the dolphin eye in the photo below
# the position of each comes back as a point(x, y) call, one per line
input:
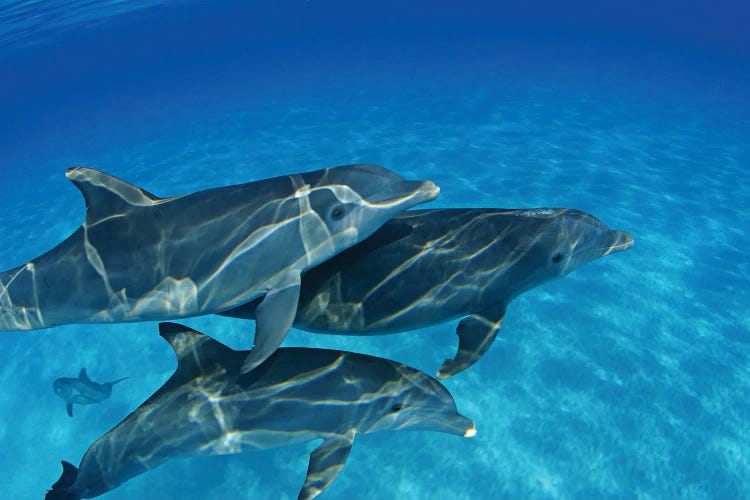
point(557, 258)
point(337, 212)
point(396, 408)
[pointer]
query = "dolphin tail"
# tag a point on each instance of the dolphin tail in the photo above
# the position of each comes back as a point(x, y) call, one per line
point(62, 489)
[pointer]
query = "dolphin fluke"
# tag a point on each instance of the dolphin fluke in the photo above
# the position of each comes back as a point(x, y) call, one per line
point(61, 489)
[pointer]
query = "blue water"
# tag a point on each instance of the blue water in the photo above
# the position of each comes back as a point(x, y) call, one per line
point(630, 377)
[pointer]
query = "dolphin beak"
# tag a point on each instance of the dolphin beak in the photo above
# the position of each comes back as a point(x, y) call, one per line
point(471, 431)
point(622, 240)
point(401, 195)
point(428, 191)
point(449, 423)
point(463, 426)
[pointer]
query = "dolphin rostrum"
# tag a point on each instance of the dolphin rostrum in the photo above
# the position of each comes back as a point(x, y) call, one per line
point(138, 257)
point(82, 390)
point(208, 407)
point(430, 266)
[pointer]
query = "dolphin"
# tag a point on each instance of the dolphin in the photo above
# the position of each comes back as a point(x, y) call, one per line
point(208, 407)
point(82, 390)
point(138, 257)
point(426, 267)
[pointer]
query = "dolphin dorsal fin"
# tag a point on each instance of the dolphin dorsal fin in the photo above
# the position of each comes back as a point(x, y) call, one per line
point(83, 375)
point(67, 479)
point(106, 195)
point(194, 348)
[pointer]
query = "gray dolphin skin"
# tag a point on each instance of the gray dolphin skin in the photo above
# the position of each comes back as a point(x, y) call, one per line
point(82, 390)
point(208, 407)
point(426, 267)
point(138, 257)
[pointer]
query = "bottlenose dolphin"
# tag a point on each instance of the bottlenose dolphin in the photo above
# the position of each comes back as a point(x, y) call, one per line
point(82, 390)
point(208, 407)
point(138, 257)
point(430, 266)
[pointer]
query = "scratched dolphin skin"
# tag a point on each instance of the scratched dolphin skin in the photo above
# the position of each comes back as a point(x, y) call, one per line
point(82, 390)
point(138, 257)
point(208, 407)
point(430, 266)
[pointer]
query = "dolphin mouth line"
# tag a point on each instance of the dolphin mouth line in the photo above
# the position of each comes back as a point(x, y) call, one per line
point(602, 251)
point(609, 249)
point(426, 191)
point(625, 245)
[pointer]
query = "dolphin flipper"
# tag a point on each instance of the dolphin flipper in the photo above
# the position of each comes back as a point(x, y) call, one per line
point(476, 333)
point(326, 461)
point(273, 319)
point(69, 409)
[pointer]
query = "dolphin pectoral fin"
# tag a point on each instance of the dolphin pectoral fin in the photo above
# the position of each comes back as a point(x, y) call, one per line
point(326, 461)
point(273, 318)
point(476, 333)
point(69, 409)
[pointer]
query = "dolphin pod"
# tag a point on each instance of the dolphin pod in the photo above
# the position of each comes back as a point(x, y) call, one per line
point(138, 257)
point(426, 267)
point(333, 251)
point(209, 407)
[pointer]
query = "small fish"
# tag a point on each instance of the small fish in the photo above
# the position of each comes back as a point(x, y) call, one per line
point(82, 390)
